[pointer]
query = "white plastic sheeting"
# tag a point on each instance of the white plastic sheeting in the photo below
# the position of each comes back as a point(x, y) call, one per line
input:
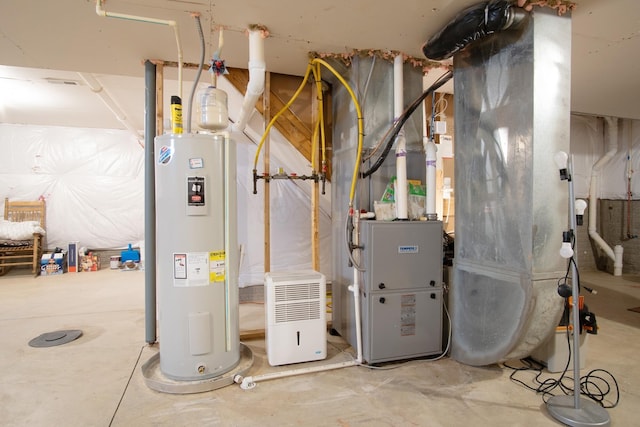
point(290, 220)
point(588, 144)
point(93, 183)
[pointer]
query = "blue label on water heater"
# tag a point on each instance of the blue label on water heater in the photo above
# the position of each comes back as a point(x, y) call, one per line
point(164, 157)
point(408, 249)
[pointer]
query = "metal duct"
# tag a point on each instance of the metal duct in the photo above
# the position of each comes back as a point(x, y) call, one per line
point(512, 109)
point(372, 80)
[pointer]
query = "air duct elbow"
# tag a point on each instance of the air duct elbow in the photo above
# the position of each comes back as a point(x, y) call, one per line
point(473, 23)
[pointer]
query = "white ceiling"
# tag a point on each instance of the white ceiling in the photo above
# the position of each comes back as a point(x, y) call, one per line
point(42, 40)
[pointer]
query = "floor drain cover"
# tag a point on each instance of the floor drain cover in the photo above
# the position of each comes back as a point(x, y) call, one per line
point(51, 339)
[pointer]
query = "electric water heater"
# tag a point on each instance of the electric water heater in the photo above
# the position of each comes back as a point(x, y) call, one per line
point(196, 255)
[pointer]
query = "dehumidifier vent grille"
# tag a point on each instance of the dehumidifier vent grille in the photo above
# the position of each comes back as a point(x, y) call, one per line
point(297, 311)
point(296, 292)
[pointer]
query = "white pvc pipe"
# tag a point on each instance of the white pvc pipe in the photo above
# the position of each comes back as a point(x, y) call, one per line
point(401, 195)
point(355, 288)
point(255, 86)
point(614, 254)
point(247, 383)
point(173, 24)
point(430, 153)
point(398, 87)
point(99, 90)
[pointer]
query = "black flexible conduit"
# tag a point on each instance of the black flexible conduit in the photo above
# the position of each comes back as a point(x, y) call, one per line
point(402, 120)
point(473, 23)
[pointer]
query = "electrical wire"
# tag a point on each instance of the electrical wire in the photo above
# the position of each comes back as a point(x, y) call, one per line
point(349, 248)
point(393, 132)
point(441, 108)
point(565, 279)
point(200, 67)
point(593, 385)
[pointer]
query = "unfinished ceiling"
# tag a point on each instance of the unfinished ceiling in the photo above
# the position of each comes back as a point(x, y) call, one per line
point(57, 39)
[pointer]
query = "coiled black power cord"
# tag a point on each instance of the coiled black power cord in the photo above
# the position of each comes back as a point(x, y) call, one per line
point(597, 385)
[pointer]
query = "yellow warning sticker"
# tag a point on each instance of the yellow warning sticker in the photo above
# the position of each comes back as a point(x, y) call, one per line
point(216, 266)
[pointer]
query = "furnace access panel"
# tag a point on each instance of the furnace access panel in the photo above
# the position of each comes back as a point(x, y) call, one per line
point(402, 289)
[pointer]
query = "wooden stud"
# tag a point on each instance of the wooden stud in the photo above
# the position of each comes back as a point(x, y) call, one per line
point(159, 98)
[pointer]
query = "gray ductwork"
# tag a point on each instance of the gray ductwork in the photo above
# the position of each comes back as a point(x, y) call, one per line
point(512, 108)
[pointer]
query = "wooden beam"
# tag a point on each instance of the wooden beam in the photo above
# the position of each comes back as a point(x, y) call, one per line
point(159, 98)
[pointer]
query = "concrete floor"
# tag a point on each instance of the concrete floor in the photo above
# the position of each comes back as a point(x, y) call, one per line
point(97, 380)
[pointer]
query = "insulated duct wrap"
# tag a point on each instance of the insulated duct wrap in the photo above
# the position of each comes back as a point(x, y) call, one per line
point(473, 23)
point(511, 206)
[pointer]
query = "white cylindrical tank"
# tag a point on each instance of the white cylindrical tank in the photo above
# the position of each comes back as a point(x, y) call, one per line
point(196, 255)
point(211, 109)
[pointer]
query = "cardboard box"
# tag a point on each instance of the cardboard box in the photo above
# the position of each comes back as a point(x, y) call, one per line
point(51, 264)
point(554, 352)
point(73, 257)
point(89, 262)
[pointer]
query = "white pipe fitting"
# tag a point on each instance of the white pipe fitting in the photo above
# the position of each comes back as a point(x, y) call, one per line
point(615, 256)
point(617, 260)
point(255, 86)
point(173, 24)
point(110, 103)
point(430, 151)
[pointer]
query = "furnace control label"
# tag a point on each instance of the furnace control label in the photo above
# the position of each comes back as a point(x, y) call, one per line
point(408, 249)
point(408, 315)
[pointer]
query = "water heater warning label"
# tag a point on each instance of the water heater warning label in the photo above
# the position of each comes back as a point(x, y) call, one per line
point(179, 266)
point(216, 266)
point(191, 269)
